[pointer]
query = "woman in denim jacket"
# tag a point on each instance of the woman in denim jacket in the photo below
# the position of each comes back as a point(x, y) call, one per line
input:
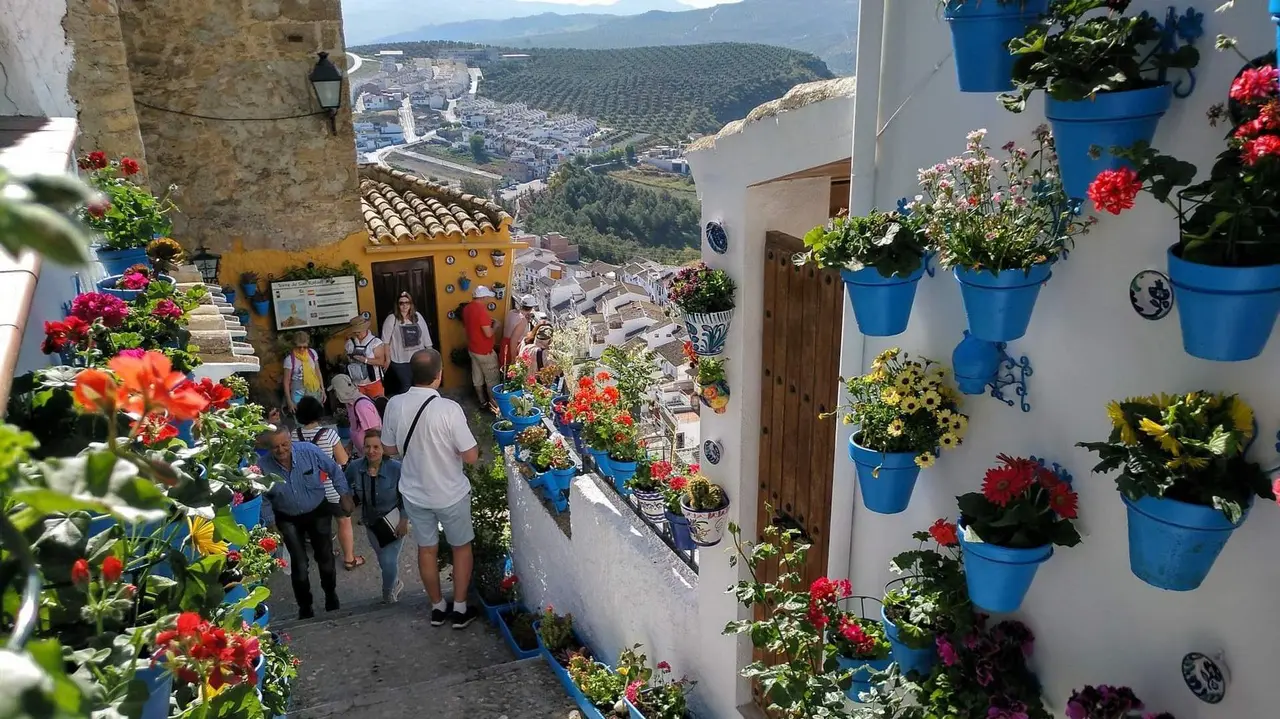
point(375, 481)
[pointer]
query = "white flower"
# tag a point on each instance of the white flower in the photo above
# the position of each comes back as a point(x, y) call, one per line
point(889, 234)
point(854, 266)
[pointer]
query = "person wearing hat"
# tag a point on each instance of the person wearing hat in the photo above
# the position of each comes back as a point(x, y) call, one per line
point(361, 411)
point(481, 331)
point(366, 358)
point(302, 375)
point(535, 351)
point(516, 327)
point(404, 332)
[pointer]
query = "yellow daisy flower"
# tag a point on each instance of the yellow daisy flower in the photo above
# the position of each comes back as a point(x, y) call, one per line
point(1186, 460)
point(1120, 422)
point(1168, 442)
point(904, 380)
point(848, 419)
point(879, 375)
point(889, 354)
point(925, 460)
point(959, 424)
point(945, 415)
point(950, 440)
point(931, 399)
point(895, 428)
point(910, 404)
point(890, 396)
point(202, 537)
point(1242, 417)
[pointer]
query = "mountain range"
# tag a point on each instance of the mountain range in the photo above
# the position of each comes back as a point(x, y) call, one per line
point(826, 28)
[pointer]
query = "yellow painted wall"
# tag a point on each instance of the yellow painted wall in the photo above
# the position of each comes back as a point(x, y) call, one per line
point(269, 343)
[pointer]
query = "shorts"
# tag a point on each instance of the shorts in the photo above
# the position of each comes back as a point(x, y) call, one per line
point(372, 390)
point(425, 524)
point(484, 370)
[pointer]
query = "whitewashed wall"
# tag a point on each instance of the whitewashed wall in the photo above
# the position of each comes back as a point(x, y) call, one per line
point(622, 584)
point(1095, 622)
point(36, 57)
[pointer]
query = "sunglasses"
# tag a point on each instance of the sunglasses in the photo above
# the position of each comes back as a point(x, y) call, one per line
point(405, 302)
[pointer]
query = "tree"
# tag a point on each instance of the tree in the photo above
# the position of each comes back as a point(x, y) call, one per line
point(631, 154)
point(479, 188)
point(478, 153)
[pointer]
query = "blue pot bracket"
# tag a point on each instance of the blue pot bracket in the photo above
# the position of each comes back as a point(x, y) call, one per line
point(982, 366)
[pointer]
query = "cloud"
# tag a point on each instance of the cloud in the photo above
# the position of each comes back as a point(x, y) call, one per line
point(706, 3)
point(575, 2)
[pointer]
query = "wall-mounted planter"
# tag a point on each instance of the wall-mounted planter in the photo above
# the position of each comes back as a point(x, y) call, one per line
point(1226, 313)
point(248, 514)
point(706, 527)
point(886, 480)
point(999, 577)
point(230, 294)
point(980, 32)
point(115, 262)
point(708, 332)
point(1111, 119)
point(159, 683)
point(999, 304)
point(601, 458)
point(680, 534)
point(881, 305)
point(498, 258)
point(862, 671)
point(715, 396)
point(653, 505)
point(263, 307)
point(919, 661)
point(1172, 544)
point(499, 291)
point(622, 471)
point(464, 284)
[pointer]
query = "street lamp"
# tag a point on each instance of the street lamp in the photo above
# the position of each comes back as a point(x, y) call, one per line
point(326, 78)
point(207, 262)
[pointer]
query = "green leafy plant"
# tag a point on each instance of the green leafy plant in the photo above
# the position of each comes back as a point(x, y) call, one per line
point(1074, 52)
point(1188, 447)
point(698, 289)
point(932, 600)
point(523, 405)
point(905, 405)
point(36, 213)
point(556, 631)
point(317, 271)
point(281, 672)
point(131, 216)
point(553, 455)
point(887, 241)
point(602, 686)
point(256, 560)
point(238, 385)
point(710, 370)
point(634, 373)
point(858, 637)
point(661, 697)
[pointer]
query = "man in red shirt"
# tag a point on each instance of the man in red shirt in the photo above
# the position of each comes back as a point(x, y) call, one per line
point(481, 329)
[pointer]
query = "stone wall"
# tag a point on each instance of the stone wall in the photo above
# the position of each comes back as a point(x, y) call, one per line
point(100, 80)
point(35, 59)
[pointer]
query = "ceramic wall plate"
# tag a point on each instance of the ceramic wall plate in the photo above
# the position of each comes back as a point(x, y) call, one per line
point(449, 260)
point(1151, 294)
point(364, 282)
point(712, 451)
point(472, 253)
point(448, 288)
point(717, 238)
point(453, 315)
point(1206, 676)
point(493, 306)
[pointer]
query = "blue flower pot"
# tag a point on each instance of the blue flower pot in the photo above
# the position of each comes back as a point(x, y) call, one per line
point(632, 712)
point(243, 317)
point(862, 671)
point(115, 262)
point(1111, 119)
point(562, 674)
point(909, 660)
point(230, 294)
point(185, 428)
point(248, 514)
point(999, 305)
point(159, 685)
point(999, 577)
point(1226, 313)
point(889, 490)
point(249, 289)
point(235, 594)
point(622, 472)
point(539, 479)
point(503, 398)
point(260, 670)
point(708, 332)
point(504, 437)
point(263, 621)
point(236, 401)
point(602, 461)
point(108, 285)
point(563, 478)
point(1172, 544)
point(491, 611)
point(262, 308)
point(680, 534)
point(975, 363)
point(980, 33)
point(881, 305)
point(523, 423)
point(464, 285)
point(505, 630)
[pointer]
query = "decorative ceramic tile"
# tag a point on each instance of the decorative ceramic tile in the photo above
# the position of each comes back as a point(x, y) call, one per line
point(1151, 294)
point(448, 288)
point(1205, 676)
point(717, 238)
point(712, 451)
point(449, 260)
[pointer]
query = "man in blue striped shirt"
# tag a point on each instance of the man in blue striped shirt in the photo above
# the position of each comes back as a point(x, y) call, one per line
point(302, 514)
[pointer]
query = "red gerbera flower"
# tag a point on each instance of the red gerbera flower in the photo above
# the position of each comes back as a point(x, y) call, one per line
point(1115, 190)
point(1255, 83)
point(1002, 484)
point(1064, 501)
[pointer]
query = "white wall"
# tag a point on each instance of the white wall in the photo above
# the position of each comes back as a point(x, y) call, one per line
point(1095, 622)
point(36, 57)
point(620, 582)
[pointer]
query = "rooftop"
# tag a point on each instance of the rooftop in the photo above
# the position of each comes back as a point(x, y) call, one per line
point(672, 352)
point(399, 207)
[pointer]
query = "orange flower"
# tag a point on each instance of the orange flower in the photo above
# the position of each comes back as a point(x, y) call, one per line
point(152, 384)
point(98, 390)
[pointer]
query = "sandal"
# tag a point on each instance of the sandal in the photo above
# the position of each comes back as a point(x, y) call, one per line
point(355, 563)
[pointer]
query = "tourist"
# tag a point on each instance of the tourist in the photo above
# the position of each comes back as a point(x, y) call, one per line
point(302, 376)
point(480, 327)
point(430, 434)
point(362, 412)
point(366, 358)
point(516, 328)
point(535, 351)
point(301, 513)
point(375, 479)
point(404, 332)
point(326, 438)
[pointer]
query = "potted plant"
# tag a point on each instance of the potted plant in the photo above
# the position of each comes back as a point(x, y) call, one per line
point(999, 226)
point(706, 506)
point(881, 258)
point(705, 297)
point(647, 485)
point(559, 643)
point(713, 389)
point(499, 289)
point(529, 442)
point(625, 450)
point(905, 413)
point(504, 432)
point(980, 35)
point(1184, 479)
point(128, 218)
point(497, 257)
point(1104, 77)
point(482, 271)
point(165, 254)
point(517, 624)
point(677, 523)
point(1226, 264)
point(261, 302)
point(464, 282)
point(249, 283)
point(229, 293)
point(658, 696)
point(239, 387)
point(983, 672)
point(524, 413)
point(130, 284)
point(1010, 528)
point(281, 672)
point(554, 455)
point(861, 649)
point(517, 380)
point(600, 688)
point(930, 601)
point(1108, 702)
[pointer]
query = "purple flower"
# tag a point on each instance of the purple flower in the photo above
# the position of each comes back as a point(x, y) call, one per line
point(947, 651)
point(1076, 711)
point(1003, 708)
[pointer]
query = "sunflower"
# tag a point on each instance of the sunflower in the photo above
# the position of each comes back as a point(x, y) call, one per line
point(202, 537)
point(895, 428)
point(1168, 442)
point(910, 404)
point(1186, 460)
point(1242, 417)
point(1120, 422)
point(890, 396)
point(925, 460)
point(950, 440)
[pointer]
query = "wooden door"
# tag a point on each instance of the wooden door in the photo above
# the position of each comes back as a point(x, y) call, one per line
point(803, 309)
point(415, 276)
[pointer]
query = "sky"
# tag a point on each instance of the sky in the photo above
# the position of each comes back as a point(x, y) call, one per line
point(584, 3)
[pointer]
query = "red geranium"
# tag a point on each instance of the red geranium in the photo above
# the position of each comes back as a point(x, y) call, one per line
point(944, 533)
point(1114, 190)
point(112, 568)
point(1259, 147)
point(139, 386)
point(219, 396)
point(268, 544)
point(1254, 84)
point(64, 335)
point(134, 281)
point(129, 166)
point(97, 160)
point(232, 556)
point(154, 429)
point(167, 309)
point(200, 653)
point(80, 574)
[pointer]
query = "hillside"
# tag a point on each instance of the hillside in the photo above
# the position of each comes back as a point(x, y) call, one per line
point(667, 91)
point(826, 28)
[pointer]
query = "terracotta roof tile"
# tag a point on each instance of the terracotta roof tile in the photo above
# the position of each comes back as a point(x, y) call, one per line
point(399, 207)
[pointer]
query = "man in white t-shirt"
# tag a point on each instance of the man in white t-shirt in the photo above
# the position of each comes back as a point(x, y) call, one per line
point(431, 435)
point(367, 358)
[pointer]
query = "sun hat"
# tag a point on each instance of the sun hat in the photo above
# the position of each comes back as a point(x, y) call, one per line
point(358, 323)
point(482, 291)
point(344, 389)
point(528, 302)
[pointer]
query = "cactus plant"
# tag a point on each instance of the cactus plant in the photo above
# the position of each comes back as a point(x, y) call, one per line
point(703, 496)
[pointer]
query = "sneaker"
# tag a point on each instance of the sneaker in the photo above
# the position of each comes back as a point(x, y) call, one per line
point(394, 595)
point(461, 620)
point(331, 603)
point(438, 616)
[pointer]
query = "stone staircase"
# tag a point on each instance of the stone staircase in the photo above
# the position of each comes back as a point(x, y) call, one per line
point(374, 661)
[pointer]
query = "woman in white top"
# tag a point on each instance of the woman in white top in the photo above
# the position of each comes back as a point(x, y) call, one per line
point(366, 358)
point(404, 332)
point(326, 438)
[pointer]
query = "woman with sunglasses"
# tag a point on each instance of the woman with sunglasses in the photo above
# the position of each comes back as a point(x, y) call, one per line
point(405, 332)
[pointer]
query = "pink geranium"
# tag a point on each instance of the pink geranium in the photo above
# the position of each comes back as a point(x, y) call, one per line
point(167, 309)
point(92, 306)
point(133, 281)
